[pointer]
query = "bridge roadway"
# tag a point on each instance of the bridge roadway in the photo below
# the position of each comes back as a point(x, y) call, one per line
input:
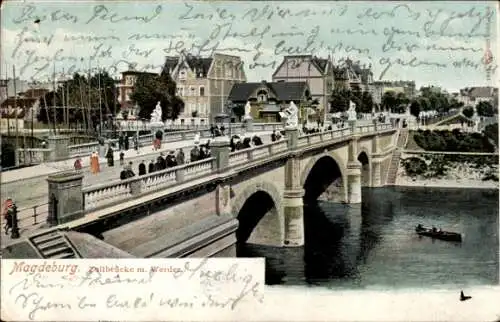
point(28, 187)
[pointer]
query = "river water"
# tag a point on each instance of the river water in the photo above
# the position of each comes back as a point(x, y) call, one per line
point(374, 245)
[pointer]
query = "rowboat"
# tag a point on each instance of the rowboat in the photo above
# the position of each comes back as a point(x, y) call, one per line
point(443, 235)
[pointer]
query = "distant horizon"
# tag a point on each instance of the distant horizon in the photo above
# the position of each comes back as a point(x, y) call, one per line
point(417, 85)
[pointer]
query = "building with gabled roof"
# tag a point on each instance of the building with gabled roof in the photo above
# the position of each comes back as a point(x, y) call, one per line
point(474, 95)
point(267, 99)
point(317, 72)
point(203, 83)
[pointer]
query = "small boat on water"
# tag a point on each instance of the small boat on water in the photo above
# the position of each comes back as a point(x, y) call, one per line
point(438, 234)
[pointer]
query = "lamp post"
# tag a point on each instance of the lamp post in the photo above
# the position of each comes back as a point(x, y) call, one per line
point(229, 111)
point(15, 227)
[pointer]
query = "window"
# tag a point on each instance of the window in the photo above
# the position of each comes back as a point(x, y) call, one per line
point(229, 71)
point(180, 90)
point(182, 121)
point(129, 80)
point(192, 91)
point(262, 96)
point(202, 90)
point(182, 74)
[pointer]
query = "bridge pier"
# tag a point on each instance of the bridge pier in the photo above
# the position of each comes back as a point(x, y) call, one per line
point(293, 211)
point(293, 204)
point(353, 172)
point(354, 182)
point(376, 164)
point(376, 172)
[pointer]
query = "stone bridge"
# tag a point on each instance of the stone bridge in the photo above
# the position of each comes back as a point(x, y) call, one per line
point(206, 207)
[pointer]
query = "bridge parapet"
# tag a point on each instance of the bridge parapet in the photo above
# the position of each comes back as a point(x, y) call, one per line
point(262, 151)
point(147, 139)
point(32, 156)
point(108, 194)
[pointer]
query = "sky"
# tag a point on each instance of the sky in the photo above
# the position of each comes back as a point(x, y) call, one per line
point(433, 43)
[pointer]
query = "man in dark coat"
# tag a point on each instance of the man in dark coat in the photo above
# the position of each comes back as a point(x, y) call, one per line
point(142, 168)
point(194, 154)
point(110, 157)
point(152, 167)
point(120, 142)
point(246, 143)
point(126, 143)
point(123, 174)
point(239, 145)
point(171, 162)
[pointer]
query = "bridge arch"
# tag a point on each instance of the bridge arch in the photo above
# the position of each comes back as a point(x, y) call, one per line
point(320, 173)
point(366, 167)
point(259, 211)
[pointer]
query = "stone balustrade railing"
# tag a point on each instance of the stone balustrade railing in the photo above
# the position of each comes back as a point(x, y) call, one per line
point(323, 136)
point(147, 139)
point(32, 156)
point(83, 149)
point(110, 193)
point(262, 151)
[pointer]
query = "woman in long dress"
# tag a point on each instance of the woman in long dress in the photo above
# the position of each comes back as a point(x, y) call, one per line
point(92, 163)
point(97, 165)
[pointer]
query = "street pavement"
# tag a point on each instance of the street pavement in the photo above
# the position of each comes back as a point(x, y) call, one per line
point(28, 192)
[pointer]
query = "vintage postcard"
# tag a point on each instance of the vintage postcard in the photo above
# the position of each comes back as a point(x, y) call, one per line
point(249, 161)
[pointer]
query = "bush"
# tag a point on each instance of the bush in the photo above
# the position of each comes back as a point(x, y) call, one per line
point(468, 111)
point(454, 141)
point(414, 166)
point(491, 132)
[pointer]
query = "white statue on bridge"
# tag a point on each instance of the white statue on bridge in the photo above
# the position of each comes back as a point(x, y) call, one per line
point(291, 116)
point(248, 109)
point(351, 112)
point(157, 113)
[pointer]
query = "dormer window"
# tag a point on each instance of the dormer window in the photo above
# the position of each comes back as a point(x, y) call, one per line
point(182, 74)
point(262, 96)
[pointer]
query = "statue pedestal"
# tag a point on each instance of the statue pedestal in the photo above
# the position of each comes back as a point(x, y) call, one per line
point(352, 125)
point(248, 124)
point(155, 127)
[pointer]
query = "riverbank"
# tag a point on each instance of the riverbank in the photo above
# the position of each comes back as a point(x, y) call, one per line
point(444, 171)
point(446, 183)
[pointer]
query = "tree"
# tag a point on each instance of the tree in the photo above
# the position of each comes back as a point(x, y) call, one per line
point(77, 92)
point(485, 109)
point(415, 108)
point(491, 132)
point(366, 102)
point(150, 89)
point(389, 100)
point(239, 110)
point(468, 111)
point(339, 100)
